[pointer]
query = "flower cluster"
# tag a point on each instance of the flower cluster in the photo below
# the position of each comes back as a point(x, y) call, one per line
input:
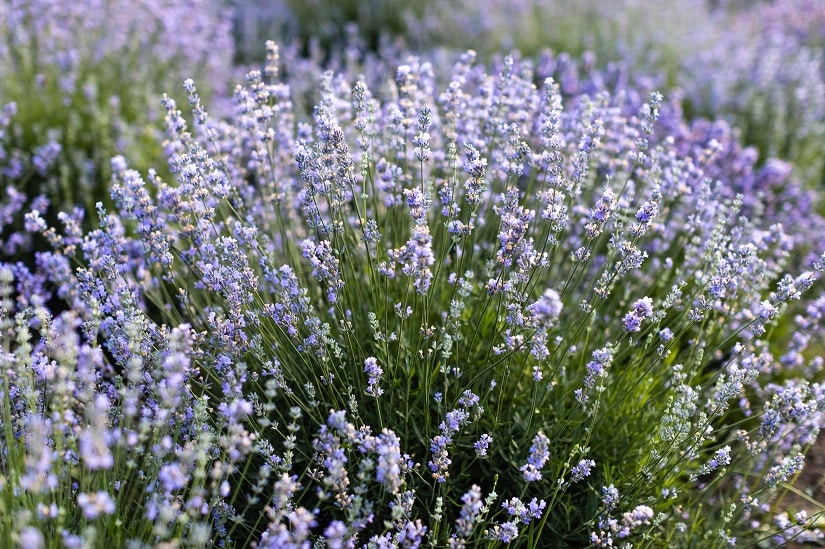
point(448, 429)
point(642, 309)
point(539, 454)
point(521, 513)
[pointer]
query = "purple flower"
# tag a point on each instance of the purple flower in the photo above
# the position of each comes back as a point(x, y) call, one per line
point(454, 421)
point(597, 368)
point(513, 241)
point(483, 444)
point(640, 515)
point(412, 534)
point(415, 259)
point(610, 497)
point(642, 309)
point(720, 458)
point(476, 168)
point(440, 460)
point(782, 472)
point(468, 399)
point(470, 508)
point(374, 373)
point(390, 461)
point(539, 454)
point(545, 311)
point(632, 322)
point(581, 470)
point(600, 214)
point(32, 538)
point(94, 504)
point(324, 266)
point(450, 427)
point(172, 477)
point(525, 513)
point(647, 212)
point(95, 439)
point(422, 139)
point(505, 532)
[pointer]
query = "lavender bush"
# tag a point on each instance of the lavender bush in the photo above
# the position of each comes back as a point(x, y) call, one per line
point(769, 81)
point(324, 25)
point(759, 66)
point(79, 83)
point(478, 313)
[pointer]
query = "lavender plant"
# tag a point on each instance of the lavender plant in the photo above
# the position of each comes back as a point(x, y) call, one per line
point(91, 458)
point(643, 34)
point(760, 67)
point(461, 315)
point(324, 25)
point(773, 87)
point(82, 81)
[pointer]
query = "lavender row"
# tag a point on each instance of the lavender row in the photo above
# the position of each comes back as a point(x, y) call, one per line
point(441, 311)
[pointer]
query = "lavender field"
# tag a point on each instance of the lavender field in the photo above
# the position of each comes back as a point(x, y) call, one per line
point(326, 274)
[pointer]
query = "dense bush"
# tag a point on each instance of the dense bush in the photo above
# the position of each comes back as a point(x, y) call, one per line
point(761, 67)
point(470, 313)
point(769, 81)
point(758, 65)
point(81, 81)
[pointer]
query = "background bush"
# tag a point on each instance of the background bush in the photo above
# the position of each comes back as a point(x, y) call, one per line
point(86, 79)
point(761, 67)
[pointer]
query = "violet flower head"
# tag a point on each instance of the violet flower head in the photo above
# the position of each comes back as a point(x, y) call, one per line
point(505, 532)
point(546, 310)
point(597, 368)
point(391, 462)
point(470, 508)
point(601, 214)
point(610, 497)
point(581, 470)
point(95, 504)
point(449, 428)
point(415, 258)
point(422, 139)
point(96, 439)
point(483, 444)
point(325, 266)
point(476, 168)
point(642, 309)
point(720, 458)
point(374, 373)
point(539, 454)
